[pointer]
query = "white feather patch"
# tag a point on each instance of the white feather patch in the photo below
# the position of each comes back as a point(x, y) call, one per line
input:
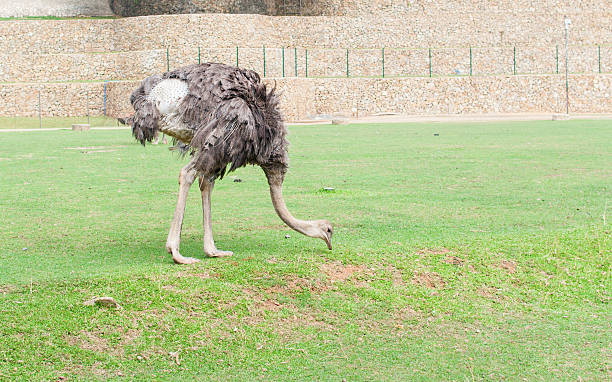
point(168, 94)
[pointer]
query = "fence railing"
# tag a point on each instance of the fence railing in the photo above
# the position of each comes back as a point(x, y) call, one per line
point(402, 62)
point(312, 62)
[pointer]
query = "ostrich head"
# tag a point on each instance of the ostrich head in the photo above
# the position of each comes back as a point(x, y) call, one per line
point(325, 231)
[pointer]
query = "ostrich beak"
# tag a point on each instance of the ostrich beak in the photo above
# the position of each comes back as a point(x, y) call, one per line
point(328, 241)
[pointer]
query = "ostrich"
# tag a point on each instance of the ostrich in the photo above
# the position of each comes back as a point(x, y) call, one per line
point(224, 116)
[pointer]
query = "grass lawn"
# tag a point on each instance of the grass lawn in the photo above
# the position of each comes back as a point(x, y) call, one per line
point(461, 252)
point(53, 122)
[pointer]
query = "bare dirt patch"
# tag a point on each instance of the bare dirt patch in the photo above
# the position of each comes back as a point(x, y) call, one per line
point(490, 293)
point(294, 284)
point(99, 340)
point(203, 275)
point(454, 260)
point(433, 251)
point(508, 265)
point(6, 289)
point(429, 280)
point(396, 276)
point(336, 271)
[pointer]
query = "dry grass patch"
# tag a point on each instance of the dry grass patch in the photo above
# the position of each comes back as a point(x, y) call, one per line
point(429, 280)
point(433, 251)
point(99, 340)
point(454, 260)
point(508, 265)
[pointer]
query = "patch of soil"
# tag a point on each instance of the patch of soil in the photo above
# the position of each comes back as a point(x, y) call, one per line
point(454, 260)
point(98, 340)
point(490, 293)
point(6, 289)
point(429, 280)
point(204, 275)
point(508, 265)
point(295, 284)
point(433, 251)
point(336, 271)
point(396, 276)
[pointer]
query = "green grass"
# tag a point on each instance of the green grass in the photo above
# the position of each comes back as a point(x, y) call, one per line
point(480, 253)
point(54, 122)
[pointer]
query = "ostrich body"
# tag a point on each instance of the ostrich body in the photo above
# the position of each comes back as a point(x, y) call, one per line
point(226, 117)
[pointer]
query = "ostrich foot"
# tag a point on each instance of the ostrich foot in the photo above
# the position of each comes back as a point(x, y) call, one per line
point(218, 253)
point(180, 259)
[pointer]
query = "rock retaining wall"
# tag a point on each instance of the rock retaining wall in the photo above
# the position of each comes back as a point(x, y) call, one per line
point(303, 98)
point(70, 60)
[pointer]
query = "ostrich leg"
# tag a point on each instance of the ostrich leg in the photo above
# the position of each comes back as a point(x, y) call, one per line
point(210, 249)
point(186, 178)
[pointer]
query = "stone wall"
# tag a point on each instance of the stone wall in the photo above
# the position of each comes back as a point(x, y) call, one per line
point(403, 10)
point(21, 8)
point(303, 98)
point(186, 32)
point(70, 60)
point(161, 7)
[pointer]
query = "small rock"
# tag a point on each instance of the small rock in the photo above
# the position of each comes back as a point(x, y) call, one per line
point(436, 135)
point(24, 248)
point(237, 180)
point(287, 236)
point(107, 302)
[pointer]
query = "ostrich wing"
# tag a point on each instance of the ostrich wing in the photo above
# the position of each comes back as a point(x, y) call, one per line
point(230, 135)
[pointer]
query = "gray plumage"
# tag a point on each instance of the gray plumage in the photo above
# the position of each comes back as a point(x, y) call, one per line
point(227, 117)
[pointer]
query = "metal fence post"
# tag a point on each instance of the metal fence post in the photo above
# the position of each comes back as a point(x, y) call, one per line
point(557, 59)
point(514, 61)
point(199, 59)
point(470, 61)
point(167, 59)
point(295, 59)
point(347, 64)
point(306, 61)
point(264, 60)
point(429, 62)
point(599, 57)
point(283, 61)
point(236, 56)
point(104, 99)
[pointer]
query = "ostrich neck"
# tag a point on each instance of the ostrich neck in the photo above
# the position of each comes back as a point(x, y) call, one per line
point(302, 226)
